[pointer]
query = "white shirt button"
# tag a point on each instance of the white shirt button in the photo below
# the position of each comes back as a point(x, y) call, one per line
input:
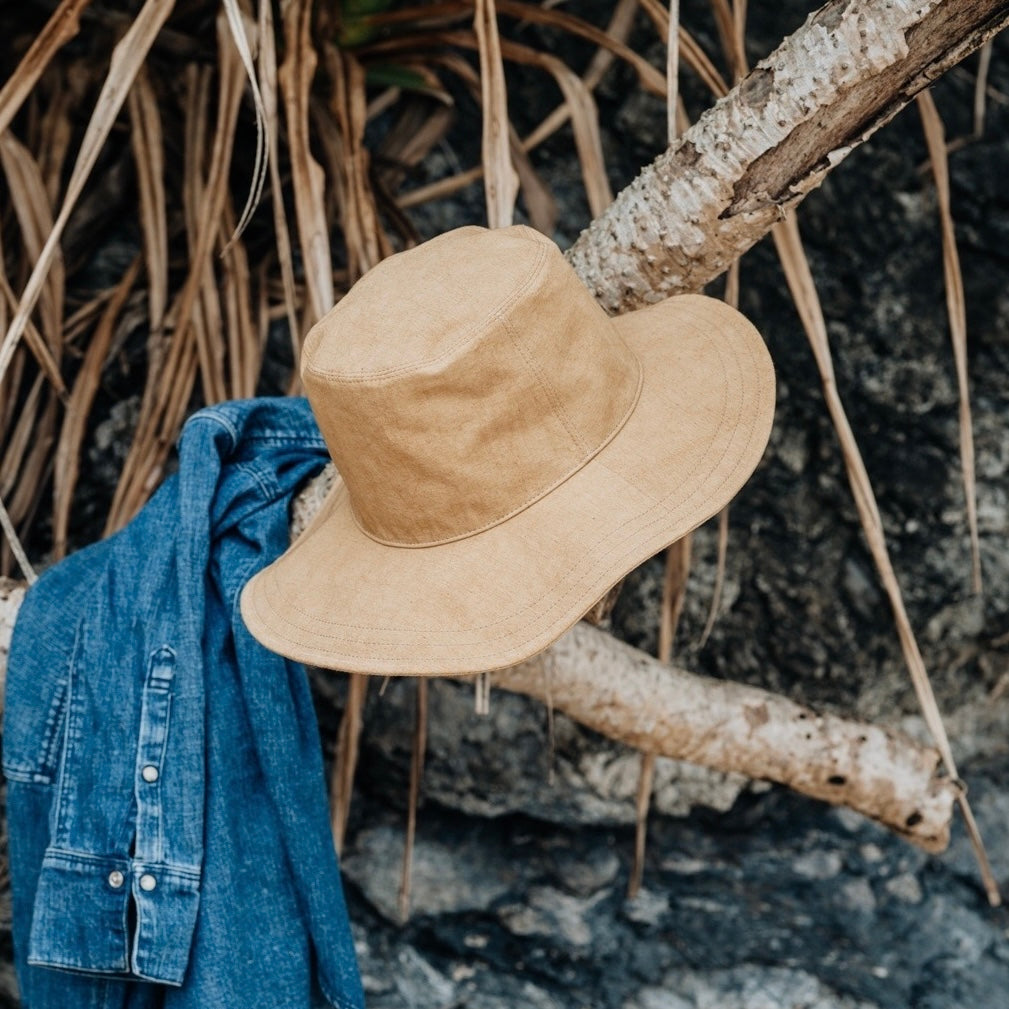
point(149, 773)
point(147, 882)
point(116, 879)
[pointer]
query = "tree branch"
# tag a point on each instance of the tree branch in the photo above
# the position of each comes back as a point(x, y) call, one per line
point(627, 695)
point(848, 70)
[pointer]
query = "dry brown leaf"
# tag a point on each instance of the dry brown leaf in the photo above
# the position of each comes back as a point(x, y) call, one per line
point(75, 419)
point(308, 182)
point(807, 303)
point(500, 179)
point(642, 802)
point(197, 309)
point(210, 343)
point(648, 76)
point(416, 773)
point(418, 128)
point(385, 100)
point(584, 122)
point(674, 593)
point(82, 318)
point(35, 470)
point(672, 70)
point(282, 235)
point(539, 201)
point(34, 215)
point(241, 29)
point(730, 34)
point(341, 787)
point(148, 154)
point(419, 39)
point(340, 129)
point(127, 58)
point(20, 439)
point(693, 55)
point(716, 594)
point(9, 405)
point(956, 308)
point(619, 29)
point(67, 90)
point(34, 341)
point(244, 347)
point(171, 360)
point(730, 297)
point(205, 312)
point(540, 204)
point(14, 544)
point(980, 88)
point(62, 26)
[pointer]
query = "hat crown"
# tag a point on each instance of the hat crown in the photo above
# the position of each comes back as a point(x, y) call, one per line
point(460, 381)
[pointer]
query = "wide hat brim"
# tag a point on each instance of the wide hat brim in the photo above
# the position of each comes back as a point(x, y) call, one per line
point(341, 600)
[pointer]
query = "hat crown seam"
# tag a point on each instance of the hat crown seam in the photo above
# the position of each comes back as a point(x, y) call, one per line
point(553, 398)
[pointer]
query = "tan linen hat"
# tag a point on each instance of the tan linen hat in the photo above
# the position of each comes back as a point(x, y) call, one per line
point(507, 451)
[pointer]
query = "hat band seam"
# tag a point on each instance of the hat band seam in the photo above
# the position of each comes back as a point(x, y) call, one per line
point(380, 377)
point(536, 496)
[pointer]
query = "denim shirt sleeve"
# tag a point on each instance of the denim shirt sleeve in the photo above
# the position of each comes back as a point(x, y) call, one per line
point(119, 884)
point(117, 655)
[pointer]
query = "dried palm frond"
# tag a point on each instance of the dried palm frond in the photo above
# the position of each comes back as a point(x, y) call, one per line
point(956, 306)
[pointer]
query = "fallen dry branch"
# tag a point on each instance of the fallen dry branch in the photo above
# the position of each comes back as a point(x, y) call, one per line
point(625, 694)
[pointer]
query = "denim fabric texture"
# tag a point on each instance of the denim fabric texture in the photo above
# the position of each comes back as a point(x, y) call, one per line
point(169, 833)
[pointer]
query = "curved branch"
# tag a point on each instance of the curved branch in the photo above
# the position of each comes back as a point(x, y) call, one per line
point(627, 695)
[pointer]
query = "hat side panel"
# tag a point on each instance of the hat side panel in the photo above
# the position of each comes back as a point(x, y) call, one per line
point(588, 371)
point(449, 449)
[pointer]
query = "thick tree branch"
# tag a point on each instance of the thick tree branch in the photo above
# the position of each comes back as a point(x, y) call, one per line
point(627, 695)
point(848, 70)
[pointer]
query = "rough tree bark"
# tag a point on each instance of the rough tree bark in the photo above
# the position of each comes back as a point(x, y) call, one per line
point(849, 69)
point(721, 187)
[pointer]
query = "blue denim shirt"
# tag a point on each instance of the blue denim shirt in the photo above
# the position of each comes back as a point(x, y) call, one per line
point(166, 802)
